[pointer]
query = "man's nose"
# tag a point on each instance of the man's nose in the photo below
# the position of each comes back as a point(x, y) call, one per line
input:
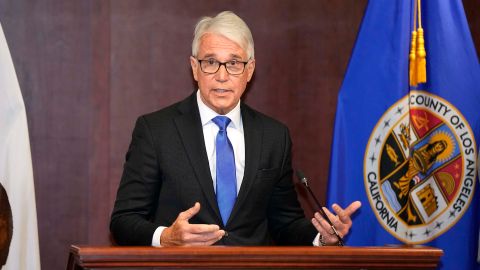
point(222, 74)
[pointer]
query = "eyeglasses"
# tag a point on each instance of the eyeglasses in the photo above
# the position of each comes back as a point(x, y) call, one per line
point(211, 66)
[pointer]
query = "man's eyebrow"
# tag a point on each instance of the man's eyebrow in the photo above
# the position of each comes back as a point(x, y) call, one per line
point(210, 55)
point(213, 55)
point(235, 56)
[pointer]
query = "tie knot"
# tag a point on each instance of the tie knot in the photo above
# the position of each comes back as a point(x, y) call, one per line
point(221, 121)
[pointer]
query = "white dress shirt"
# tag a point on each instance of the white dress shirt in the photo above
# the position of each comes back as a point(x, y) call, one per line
point(234, 133)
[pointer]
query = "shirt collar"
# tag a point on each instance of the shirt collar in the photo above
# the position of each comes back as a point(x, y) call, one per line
point(207, 114)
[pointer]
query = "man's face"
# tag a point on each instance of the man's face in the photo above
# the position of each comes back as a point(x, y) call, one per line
point(221, 91)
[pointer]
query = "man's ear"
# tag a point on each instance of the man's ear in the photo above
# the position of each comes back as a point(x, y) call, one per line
point(250, 69)
point(194, 64)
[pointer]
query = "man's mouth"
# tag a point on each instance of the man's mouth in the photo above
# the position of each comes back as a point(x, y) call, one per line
point(220, 90)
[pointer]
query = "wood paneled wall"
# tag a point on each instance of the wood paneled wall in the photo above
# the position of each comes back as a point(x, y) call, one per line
point(88, 68)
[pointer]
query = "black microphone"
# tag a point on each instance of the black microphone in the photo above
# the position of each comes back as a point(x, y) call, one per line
point(304, 181)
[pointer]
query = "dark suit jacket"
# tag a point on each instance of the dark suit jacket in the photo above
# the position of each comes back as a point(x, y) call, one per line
point(167, 171)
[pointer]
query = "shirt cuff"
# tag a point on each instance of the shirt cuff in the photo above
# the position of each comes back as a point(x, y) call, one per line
point(316, 241)
point(156, 236)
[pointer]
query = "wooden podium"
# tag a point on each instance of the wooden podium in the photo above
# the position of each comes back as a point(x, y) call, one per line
point(218, 257)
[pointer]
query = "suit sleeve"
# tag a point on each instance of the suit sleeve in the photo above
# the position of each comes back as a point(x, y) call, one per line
point(138, 190)
point(287, 221)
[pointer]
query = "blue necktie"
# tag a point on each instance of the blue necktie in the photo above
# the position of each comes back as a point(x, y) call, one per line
point(226, 180)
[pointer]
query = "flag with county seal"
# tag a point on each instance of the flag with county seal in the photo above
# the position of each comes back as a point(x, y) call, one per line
point(18, 216)
point(407, 122)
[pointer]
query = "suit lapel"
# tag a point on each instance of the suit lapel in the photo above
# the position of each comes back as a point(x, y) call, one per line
point(253, 130)
point(190, 129)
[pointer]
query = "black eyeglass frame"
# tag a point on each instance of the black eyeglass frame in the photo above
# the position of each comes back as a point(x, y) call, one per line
point(222, 64)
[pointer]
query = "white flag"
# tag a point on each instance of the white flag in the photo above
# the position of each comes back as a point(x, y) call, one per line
point(18, 242)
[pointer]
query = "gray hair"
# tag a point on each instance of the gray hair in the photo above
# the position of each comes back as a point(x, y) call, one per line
point(227, 24)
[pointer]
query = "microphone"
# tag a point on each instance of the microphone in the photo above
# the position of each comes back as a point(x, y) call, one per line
point(304, 181)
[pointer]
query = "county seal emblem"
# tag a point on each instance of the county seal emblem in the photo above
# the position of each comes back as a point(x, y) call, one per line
point(419, 167)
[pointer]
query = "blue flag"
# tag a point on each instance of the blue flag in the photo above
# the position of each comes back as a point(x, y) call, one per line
point(409, 153)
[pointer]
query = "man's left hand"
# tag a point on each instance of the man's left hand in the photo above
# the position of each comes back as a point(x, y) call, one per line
point(341, 221)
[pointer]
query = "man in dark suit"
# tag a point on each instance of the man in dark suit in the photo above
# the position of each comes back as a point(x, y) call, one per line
point(211, 170)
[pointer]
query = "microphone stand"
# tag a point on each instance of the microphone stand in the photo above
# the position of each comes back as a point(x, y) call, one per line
point(304, 181)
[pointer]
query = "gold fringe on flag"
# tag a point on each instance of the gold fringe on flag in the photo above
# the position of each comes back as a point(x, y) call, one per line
point(418, 61)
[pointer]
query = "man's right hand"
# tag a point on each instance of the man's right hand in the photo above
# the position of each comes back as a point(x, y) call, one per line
point(182, 233)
